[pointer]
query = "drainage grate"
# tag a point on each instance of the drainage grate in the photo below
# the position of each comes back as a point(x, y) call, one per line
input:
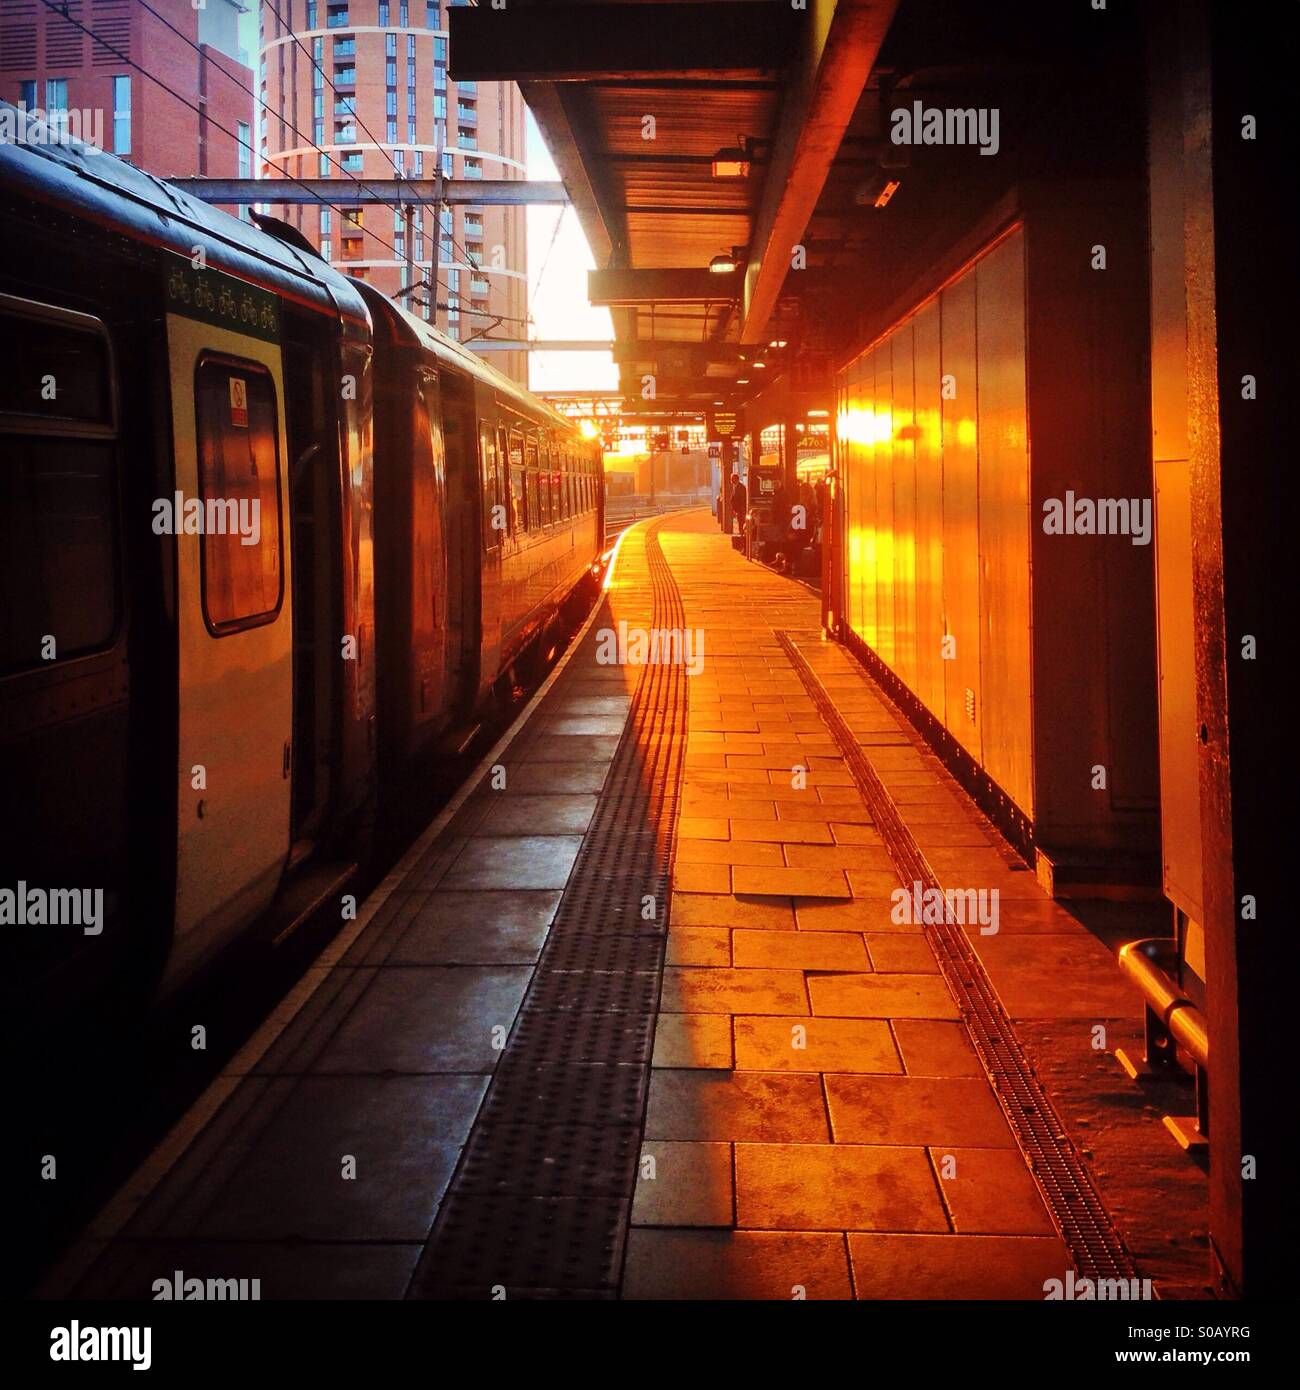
point(540, 1201)
point(1076, 1207)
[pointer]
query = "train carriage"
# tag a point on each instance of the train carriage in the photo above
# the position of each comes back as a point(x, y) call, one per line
point(263, 530)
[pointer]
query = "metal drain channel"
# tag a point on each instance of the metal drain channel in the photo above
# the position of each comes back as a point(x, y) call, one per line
point(1075, 1205)
point(540, 1202)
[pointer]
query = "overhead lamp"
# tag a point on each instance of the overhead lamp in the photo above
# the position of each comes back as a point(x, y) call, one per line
point(723, 264)
point(731, 163)
point(742, 381)
point(777, 343)
point(876, 191)
point(886, 193)
point(760, 365)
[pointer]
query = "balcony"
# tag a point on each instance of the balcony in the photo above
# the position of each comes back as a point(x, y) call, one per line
point(345, 77)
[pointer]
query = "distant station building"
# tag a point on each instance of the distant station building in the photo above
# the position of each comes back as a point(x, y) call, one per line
point(357, 89)
point(96, 60)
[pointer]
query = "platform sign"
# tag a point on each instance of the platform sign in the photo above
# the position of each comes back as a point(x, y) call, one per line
point(723, 424)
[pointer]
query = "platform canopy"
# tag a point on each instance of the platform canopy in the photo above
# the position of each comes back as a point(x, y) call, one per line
point(760, 130)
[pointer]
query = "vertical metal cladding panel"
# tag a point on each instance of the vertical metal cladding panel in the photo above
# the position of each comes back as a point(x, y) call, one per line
point(846, 598)
point(852, 484)
point(866, 576)
point(1007, 726)
point(963, 703)
point(904, 529)
point(929, 510)
point(882, 454)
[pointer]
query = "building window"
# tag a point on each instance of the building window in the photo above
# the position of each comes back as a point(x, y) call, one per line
point(432, 16)
point(410, 131)
point(391, 102)
point(447, 162)
point(325, 248)
point(383, 13)
point(473, 169)
point(27, 94)
point(324, 163)
point(352, 162)
point(467, 140)
point(404, 14)
point(440, 50)
point(439, 107)
point(399, 161)
point(245, 133)
point(345, 48)
point(311, 14)
point(56, 94)
point(318, 133)
point(390, 72)
point(410, 48)
point(419, 164)
point(122, 123)
point(392, 132)
point(238, 449)
point(336, 17)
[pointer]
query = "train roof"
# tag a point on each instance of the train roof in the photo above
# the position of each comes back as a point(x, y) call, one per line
point(415, 332)
point(104, 189)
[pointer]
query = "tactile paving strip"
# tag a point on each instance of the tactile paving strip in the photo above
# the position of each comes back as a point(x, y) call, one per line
point(540, 1202)
point(1068, 1190)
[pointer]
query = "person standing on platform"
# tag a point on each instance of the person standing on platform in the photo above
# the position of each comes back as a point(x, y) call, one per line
point(739, 503)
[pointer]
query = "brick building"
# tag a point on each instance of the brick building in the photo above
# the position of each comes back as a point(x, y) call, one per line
point(48, 61)
point(366, 82)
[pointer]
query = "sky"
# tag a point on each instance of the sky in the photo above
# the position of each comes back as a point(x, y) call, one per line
point(558, 263)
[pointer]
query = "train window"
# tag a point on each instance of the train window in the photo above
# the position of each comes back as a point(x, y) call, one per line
point(538, 509)
point(59, 522)
point(239, 484)
point(59, 373)
point(518, 509)
point(492, 493)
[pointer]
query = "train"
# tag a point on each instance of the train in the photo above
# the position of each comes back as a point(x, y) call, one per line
point(271, 546)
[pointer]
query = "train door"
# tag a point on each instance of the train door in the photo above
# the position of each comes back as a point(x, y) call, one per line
point(233, 607)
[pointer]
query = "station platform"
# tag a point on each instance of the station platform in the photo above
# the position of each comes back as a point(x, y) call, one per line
point(641, 1015)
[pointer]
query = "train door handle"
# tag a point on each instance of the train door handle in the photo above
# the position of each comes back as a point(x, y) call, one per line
point(288, 760)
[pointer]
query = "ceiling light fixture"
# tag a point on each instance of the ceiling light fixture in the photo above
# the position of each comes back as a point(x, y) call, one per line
point(732, 162)
point(723, 264)
point(777, 343)
point(760, 365)
point(886, 193)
